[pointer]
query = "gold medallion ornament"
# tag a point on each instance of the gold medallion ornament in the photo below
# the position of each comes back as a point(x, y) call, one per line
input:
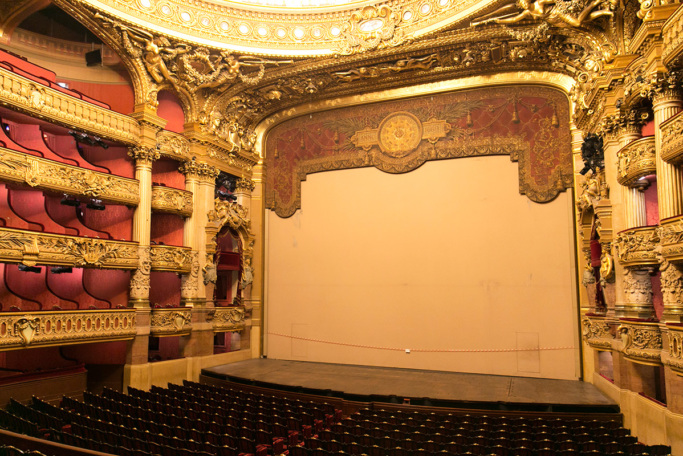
point(400, 134)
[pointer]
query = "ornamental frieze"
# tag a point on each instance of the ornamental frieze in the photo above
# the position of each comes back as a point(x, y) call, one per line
point(30, 248)
point(173, 200)
point(232, 159)
point(672, 140)
point(597, 332)
point(399, 136)
point(175, 321)
point(637, 246)
point(640, 342)
point(21, 94)
point(50, 175)
point(173, 145)
point(636, 160)
point(671, 234)
point(227, 318)
point(19, 330)
point(171, 258)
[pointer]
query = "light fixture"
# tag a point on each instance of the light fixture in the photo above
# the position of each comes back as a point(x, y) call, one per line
point(35, 269)
point(61, 270)
point(68, 200)
point(95, 204)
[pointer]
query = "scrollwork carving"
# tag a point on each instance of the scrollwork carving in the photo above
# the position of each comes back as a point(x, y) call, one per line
point(139, 282)
point(199, 169)
point(637, 246)
point(171, 321)
point(173, 145)
point(171, 258)
point(636, 160)
point(641, 342)
point(372, 28)
point(166, 199)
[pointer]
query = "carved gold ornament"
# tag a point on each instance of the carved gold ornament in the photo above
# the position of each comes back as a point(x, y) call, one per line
point(636, 160)
point(172, 321)
point(597, 332)
point(173, 145)
point(672, 140)
point(18, 330)
point(674, 355)
point(227, 318)
point(171, 258)
point(199, 170)
point(24, 95)
point(640, 342)
point(671, 234)
point(139, 282)
point(190, 282)
point(636, 246)
point(372, 28)
point(173, 200)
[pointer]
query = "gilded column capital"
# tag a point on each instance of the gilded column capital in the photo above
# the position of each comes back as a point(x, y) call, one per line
point(245, 185)
point(199, 170)
point(143, 155)
point(662, 87)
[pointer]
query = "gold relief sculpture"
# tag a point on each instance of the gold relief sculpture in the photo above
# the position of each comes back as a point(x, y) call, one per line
point(21, 94)
point(636, 160)
point(606, 265)
point(171, 258)
point(173, 200)
point(387, 69)
point(554, 13)
point(671, 234)
point(171, 321)
point(18, 246)
point(597, 332)
point(144, 154)
point(51, 175)
point(227, 318)
point(672, 140)
point(237, 137)
point(638, 294)
point(199, 170)
point(640, 342)
point(672, 36)
point(232, 159)
point(671, 279)
point(673, 357)
point(372, 28)
point(636, 247)
point(190, 282)
point(245, 185)
point(66, 327)
point(173, 145)
point(231, 214)
point(593, 189)
point(139, 282)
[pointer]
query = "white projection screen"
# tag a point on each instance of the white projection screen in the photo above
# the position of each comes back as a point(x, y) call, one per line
point(448, 261)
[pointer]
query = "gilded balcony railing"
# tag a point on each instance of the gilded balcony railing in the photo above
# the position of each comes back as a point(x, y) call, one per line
point(636, 247)
point(227, 318)
point(171, 258)
point(636, 160)
point(173, 200)
point(174, 321)
point(597, 332)
point(671, 239)
point(672, 140)
point(639, 341)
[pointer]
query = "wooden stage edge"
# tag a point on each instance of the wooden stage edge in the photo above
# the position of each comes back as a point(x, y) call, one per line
point(416, 387)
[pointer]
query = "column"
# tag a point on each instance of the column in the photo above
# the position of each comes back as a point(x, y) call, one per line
point(257, 218)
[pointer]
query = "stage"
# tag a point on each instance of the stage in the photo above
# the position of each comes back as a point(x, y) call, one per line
point(420, 387)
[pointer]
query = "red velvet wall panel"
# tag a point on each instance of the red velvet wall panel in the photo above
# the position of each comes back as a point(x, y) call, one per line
point(165, 171)
point(36, 359)
point(65, 146)
point(170, 109)
point(167, 229)
point(32, 286)
point(648, 129)
point(30, 205)
point(115, 219)
point(67, 216)
point(102, 353)
point(9, 217)
point(26, 65)
point(165, 289)
point(8, 300)
point(651, 207)
point(31, 137)
point(114, 158)
point(120, 97)
point(108, 285)
point(70, 286)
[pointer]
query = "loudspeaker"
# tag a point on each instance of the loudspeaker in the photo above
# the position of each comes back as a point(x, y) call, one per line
point(93, 58)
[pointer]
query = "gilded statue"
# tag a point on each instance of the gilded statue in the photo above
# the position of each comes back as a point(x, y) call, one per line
point(551, 11)
point(156, 50)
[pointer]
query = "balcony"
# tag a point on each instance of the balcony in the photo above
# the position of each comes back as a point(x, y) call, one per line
point(671, 234)
point(170, 258)
point(173, 145)
point(227, 318)
point(174, 321)
point(640, 341)
point(64, 327)
point(672, 140)
point(672, 34)
point(636, 160)
point(673, 354)
point(636, 247)
point(597, 332)
point(173, 200)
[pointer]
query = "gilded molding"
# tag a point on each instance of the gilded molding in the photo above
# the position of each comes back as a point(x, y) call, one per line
point(21, 94)
point(173, 200)
point(672, 140)
point(636, 160)
point(641, 342)
point(171, 258)
point(63, 327)
point(190, 281)
point(50, 175)
point(173, 145)
point(671, 234)
point(226, 157)
point(199, 170)
point(176, 321)
point(30, 248)
point(672, 35)
point(597, 332)
point(372, 28)
point(673, 356)
point(139, 282)
point(389, 68)
point(227, 318)
point(636, 247)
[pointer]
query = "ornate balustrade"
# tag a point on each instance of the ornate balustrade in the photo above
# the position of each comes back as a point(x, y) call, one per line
point(672, 140)
point(636, 160)
point(673, 353)
point(63, 327)
point(51, 175)
point(672, 34)
point(30, 248)
point(173, 145)
point(227, 318)
point(22, 94)
point(640, 341)
point(671, 238)
point(173, 200)
point(597, 331)
point(636, 247)
point(171, 258)
point(175, 321)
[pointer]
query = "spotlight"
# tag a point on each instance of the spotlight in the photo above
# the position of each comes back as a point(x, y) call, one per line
point(222, 194)
point(69, 201)
point(24, 268)
point(96, 205)
point(61, 269)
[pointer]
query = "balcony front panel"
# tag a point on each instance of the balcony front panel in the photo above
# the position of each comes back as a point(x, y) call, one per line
point(671, 234)
point(64, 327)
point(672, 34)
point(50, 175)
point(227, 318)
point(21, 94)
point(673, 355)
point(636, 247)
point(30, 248)
point(175, 321)
point(672, 140)
point(175, 201)
point(173, 145)
point(170, 258)
point(640, 342)
point(636, 160)
point(597, 332)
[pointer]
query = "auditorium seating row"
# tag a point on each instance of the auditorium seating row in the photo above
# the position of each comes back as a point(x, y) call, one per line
point(8, 450)
point(207, 420)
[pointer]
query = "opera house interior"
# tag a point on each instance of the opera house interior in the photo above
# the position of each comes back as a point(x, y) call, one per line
point(488, 187)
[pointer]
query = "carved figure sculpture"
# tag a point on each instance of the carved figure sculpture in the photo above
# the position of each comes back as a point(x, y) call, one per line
point(549, 11)
point(155, 51)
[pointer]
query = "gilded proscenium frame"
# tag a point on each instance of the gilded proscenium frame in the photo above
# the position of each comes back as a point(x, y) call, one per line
point(171, 258)
point(65, 327)
point(636, 160)
point(30, 248)
point(639, 341)
point(48, 174)
point(227, 318)
point(172, 200)
point(636, 247)
point(671, 238)
point(672, 139)
point(21, 94)
point(174, 321)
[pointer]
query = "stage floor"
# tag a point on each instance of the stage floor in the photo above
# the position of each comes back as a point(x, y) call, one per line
point(359, 381)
